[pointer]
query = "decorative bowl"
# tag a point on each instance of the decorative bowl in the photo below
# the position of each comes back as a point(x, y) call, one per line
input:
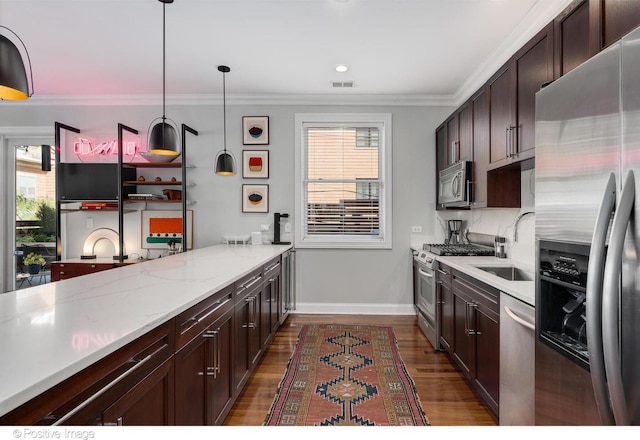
point(158, 158)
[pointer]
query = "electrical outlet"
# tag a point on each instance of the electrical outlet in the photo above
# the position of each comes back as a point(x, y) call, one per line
point(287, 227)
point(264, 227)
point(89, 223)
point(416, 228)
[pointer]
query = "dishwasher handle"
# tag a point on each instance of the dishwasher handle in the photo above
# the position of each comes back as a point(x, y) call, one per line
point(518, 319)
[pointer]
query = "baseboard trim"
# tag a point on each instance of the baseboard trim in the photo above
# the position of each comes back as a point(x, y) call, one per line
point(354, 309)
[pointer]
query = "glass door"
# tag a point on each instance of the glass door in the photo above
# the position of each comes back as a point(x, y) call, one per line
point(35, 214)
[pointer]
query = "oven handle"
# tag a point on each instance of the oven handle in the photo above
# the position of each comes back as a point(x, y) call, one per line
point(611, 301)
point(422, 272)
point(595, 272)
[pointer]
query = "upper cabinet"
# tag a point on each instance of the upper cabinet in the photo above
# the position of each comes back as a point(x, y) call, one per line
point(571, 37)
point(512, 100)
point(610, 20)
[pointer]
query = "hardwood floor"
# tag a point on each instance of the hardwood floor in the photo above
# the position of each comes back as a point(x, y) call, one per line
point(446, 398)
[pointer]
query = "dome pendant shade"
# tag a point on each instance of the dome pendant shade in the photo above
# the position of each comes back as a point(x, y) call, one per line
point(225, 164)
point(163, 139)
point(14, 84)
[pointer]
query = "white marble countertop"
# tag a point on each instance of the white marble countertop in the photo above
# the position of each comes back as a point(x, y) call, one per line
point(50, 332)
point(524, 291)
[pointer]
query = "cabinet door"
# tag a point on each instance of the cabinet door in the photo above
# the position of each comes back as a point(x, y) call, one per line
point(265, 314)
point(452, 140)
point(500, 115)
point(487, 340)
point(533, 66)
point(447, 319)
point(463, 343)
point(612, 19)
point(191, 383)
point(571, 38)
point(241, 364)
point(441, 158)
point(481, 146)
point(222, 389)
point(149, 403)
point(465, 132)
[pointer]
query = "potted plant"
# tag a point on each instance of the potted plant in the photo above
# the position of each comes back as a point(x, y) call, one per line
point(34, 262)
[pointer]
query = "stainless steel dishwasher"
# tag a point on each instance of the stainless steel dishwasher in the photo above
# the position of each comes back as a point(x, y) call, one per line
point(517, 362)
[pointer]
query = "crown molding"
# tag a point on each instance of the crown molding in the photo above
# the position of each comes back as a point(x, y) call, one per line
point(302, 99)
point(544, 13)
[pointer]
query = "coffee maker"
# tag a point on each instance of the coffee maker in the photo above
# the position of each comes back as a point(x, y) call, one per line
point(454, 231)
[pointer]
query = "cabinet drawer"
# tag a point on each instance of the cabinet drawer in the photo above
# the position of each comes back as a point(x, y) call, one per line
point(476, 291)
point(196, 319)
point(249, 284)
point(272, 269)
point(63, 271)
point(82, 398)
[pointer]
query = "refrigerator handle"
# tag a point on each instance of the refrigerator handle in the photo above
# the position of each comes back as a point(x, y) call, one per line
point(611, 301)
point(595, 274)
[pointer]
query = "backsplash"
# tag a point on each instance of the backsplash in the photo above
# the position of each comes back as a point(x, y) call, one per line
point(500, 222)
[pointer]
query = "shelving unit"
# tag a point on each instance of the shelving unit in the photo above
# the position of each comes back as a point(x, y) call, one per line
point(146, 183)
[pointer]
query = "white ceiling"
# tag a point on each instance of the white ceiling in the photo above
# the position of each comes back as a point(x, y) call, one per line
point(404, 51)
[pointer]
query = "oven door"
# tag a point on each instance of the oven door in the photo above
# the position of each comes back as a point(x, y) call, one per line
point(425, 301)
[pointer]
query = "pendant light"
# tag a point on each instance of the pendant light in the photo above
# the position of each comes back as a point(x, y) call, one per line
point(14, 83)
point(163, 137)
point(225, 163)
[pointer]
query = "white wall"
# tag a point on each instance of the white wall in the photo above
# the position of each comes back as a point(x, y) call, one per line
point(367, 281)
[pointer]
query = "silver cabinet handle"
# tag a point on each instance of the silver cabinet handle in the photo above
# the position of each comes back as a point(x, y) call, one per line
point(610, 301)
point(103, 390)
point(518, 319)
point(506, 142)
point(595, 273)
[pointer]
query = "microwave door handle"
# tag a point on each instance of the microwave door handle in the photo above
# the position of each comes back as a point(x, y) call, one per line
point(455, 185)
point(611, 301)
point(595, 273)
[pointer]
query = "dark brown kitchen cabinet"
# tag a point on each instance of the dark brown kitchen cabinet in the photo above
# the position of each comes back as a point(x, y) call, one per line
point(477, 336)
point(481, 144)
point(247, 325)
point(203, 385)
point(132, 386)
point(512, 100)
point(459, 135)
point(610, 20)
point(271, 299)
point(571, 37)
point(445, 302)
point(442, 156)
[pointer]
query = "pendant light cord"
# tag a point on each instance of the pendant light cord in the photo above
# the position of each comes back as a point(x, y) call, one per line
point(224, 110)
point(164, 50)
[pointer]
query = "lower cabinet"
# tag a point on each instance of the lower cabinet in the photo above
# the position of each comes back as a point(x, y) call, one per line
point(247, 325)
point(476, 339)
point(447, 318)
point(203, 385)
point(187, 371)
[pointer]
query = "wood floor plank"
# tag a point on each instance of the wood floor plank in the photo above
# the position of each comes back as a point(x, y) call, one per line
point(445, 396)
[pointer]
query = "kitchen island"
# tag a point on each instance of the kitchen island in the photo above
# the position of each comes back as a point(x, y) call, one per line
point(50, 333)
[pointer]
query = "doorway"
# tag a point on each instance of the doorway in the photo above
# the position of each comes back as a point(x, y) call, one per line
point(29, 223)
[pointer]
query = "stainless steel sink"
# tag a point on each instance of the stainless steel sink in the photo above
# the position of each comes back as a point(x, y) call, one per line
point(510, 273)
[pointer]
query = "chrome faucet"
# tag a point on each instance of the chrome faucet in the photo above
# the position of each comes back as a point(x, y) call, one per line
point(515, 225)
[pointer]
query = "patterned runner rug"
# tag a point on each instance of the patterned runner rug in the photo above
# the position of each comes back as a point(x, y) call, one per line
point(343, 375)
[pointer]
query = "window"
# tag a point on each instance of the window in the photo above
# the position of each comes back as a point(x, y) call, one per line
point(343, 180)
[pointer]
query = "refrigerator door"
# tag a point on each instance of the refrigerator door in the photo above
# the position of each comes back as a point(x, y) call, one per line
point(630, 296)
point(577, 147)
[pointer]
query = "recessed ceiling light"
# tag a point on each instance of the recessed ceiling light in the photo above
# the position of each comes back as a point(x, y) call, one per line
point(341, 68)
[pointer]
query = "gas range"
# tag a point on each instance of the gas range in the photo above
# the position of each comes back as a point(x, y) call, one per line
point(459, 250)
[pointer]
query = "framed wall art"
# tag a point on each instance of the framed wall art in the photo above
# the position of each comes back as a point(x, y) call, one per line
point(158, 227)
point(255, 198)
point(255, 164)
point(255, 130)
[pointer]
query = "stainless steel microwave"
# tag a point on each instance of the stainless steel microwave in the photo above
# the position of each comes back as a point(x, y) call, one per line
point(454, 185)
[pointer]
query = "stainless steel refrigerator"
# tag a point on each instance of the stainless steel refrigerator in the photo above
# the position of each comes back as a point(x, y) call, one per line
point(587, 243)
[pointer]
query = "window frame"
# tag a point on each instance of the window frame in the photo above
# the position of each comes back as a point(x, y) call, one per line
point(384, 123)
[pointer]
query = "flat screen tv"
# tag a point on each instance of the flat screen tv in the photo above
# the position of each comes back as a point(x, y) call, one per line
point(91, 181)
